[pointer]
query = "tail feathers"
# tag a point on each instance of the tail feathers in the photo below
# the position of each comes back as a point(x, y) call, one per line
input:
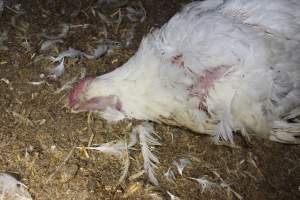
point(285, 132)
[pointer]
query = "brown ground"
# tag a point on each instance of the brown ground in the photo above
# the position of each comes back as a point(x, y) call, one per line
point(38, 132)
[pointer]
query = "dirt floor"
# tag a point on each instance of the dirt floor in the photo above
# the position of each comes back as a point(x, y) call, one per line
point(39, 134)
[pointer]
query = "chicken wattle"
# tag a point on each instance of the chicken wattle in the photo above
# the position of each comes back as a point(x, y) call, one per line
point(215, 67)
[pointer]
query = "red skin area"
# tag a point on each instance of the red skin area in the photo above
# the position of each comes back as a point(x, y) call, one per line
point(79, 103)
point(206, 82)
point(78, 90)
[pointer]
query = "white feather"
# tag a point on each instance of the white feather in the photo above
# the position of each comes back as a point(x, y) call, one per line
point(58, 70)
point(73, 53)
point(183, 163)
point(172, 196)
point(138, 14)
point(170, 175)
point(99, 51)
point(146, 132)
point(68, 53)
point(65, 86)
point(125, 167)
point(116, 148)
point(205, 183)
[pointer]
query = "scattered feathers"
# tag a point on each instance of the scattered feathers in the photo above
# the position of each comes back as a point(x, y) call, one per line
point(204, 183)
point(115, 148)
point(120, 149)
point(181, 165)
point(170, 175)
point(58, 70)
point(172, 196)
point(225, 185)
point(137, 13)
point(68, 85)
point(105, 19)
point(125, 166)
point(74, 53)
point(99, 52)
point(127, 36)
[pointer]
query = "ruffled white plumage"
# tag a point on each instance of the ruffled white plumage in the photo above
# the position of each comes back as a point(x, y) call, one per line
point(257, 42)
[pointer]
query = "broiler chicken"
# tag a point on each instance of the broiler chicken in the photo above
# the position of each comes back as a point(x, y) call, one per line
point(216, 67)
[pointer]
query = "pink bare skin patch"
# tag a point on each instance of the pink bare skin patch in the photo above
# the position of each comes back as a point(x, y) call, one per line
point(79, 103)
point(205, 82)
point(78, 90)
point(98, 103)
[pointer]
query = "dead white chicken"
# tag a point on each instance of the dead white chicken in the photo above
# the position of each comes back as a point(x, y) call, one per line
point(216, 67)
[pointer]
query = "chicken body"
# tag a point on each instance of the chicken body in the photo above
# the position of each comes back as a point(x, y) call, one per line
point(215, 67)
